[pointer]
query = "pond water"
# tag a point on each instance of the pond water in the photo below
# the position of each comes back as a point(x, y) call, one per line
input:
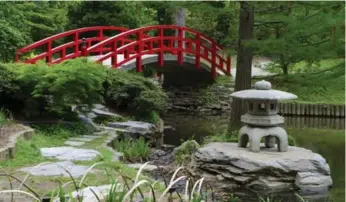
point(321, 135)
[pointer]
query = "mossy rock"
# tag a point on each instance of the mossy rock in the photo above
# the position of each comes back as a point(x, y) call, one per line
point(184, 152)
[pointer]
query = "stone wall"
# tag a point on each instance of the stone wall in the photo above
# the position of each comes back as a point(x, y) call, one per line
point(215, 99)
point(211, 100)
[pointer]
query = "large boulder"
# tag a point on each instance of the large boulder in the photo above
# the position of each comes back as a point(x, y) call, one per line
point(229, 166)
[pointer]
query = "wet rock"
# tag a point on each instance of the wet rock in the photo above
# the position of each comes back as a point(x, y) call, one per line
point(103, 113)
point(57, 169)
point(69, 153)
point(268, 170)
point(88, 122)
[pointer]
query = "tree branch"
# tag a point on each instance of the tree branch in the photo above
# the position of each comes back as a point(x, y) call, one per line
point(315, 44)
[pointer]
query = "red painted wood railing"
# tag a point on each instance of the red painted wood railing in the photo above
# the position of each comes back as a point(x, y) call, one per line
point(133, 44)
point(47, 44)
point(201, 46)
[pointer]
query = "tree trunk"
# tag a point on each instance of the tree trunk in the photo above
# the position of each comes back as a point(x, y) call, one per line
point(285, 70)
point(244, 63)
point(180, 20)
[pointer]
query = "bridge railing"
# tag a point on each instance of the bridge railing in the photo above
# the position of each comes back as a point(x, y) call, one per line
point(201, 46)
point(44, 49)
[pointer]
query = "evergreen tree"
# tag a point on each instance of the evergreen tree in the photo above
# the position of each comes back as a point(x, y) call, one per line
point(290, 32)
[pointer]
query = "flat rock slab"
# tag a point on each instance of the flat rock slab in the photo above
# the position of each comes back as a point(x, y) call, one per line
point(56, 169)
point(266, 170)
point(69, 153)
point(134, 126)
point(103, 113)
point(91, 136)
point(73, 143)
point(82, 139)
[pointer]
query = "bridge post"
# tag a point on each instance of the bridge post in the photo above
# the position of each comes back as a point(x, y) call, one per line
point(161, 44)
point(114, 58)
point(198, 50)
point(63, 53)
point(76, 45)
point(49, 52)
point(213, 60)
point(180, 46)
point(229, 65)
point(18, 55)
point(84, 48)
point(100, 35)
point(139, 52)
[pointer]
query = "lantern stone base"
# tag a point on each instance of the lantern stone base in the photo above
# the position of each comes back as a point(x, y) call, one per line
point(227, 167)
point(272, 135)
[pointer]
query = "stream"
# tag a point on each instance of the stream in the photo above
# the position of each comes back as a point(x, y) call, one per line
point(325, 136)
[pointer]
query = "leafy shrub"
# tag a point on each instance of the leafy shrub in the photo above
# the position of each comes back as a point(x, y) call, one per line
point(55, 89)
point(41, 90)
point(8, 86)
point(72, 82)
point(125, 90)
point(26, 77)
point(133, 149)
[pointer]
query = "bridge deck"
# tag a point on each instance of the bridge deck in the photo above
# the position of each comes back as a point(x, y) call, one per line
point(256, 71)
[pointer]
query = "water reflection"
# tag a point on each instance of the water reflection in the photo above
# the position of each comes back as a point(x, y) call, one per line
point(314, 122)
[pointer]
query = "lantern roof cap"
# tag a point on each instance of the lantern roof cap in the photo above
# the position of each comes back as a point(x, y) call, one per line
point(263, 91)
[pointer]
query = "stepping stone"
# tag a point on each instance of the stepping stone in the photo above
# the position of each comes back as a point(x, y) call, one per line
point(74, 143)
point(90, 136)
point(101, 133)
point(56, 169)
point(69, 153)
point(81, 139)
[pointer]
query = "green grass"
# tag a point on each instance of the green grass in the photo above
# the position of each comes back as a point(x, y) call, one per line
point(324, 87)
point(28, 151)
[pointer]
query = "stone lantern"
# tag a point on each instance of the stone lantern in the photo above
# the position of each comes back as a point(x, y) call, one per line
point(262, 119)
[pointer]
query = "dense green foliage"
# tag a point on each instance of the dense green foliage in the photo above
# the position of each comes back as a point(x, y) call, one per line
point(10, 40)
point(287, 32)
point(290, 32)
point(141, 96)
point(39, 88)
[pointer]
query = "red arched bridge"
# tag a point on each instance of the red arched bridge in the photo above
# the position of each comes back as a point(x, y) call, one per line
point(130, 48)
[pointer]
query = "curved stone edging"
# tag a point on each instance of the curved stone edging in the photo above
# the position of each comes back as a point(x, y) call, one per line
point(10, 149)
